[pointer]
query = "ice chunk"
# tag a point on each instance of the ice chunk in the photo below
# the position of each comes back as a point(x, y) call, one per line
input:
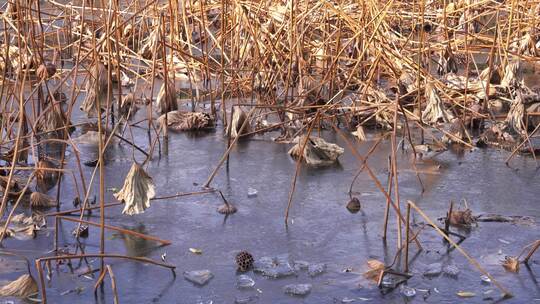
point(407, 291)
point(297, 289)
point(244, 281)
point(300, 265)
point(451, 270)
point(316, 269)
point(276, 267)
point(246, 300)
point(199, 277)
point(252, 192)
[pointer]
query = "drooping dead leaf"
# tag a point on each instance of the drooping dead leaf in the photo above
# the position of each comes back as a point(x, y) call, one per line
point(447, 61)
point(513, 74)
point(407, 82)
point(40, 200)
point(511, 264)
point(462, 218)
point(22, 227)
point(53, 119)
point(45, 177)
point(92, 138)
point(125, 81)
point(23, 147)
point(19, 59)
point(514, 118)
point(186, 121)
point(359, 133)
point(526, 46)
point(317, 151)
point(13, 185)
point(166, 99)
point(23, 233)
point(97, 89)
point(21, 218)
point(238, 118)
point(493, 78)
point(151, 46)
point(22, 287)
point(435, 110)
point(454, 132)
point(38, 221)
point(137, 191)
point(375, 269)
point(45, 71)
point(127, 108)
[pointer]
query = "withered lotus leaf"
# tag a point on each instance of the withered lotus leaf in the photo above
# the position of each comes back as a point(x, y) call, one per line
point(238, 119)
point(22, 287)
point(137, 191)
point(511, 264)
point(317, 151)
point(375, 269)
point(186, 121)
point(462, 218)
point(40, 200)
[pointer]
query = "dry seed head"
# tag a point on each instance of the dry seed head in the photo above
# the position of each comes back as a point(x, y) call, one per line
point(244, 261)
point(354, 205)
point(227, 208)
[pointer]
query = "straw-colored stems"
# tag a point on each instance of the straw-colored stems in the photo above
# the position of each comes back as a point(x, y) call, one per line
point(532, 251)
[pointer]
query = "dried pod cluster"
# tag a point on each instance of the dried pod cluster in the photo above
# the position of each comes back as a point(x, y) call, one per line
point(244, 261)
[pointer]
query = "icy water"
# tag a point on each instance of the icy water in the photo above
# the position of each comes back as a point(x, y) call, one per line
point(321, 230)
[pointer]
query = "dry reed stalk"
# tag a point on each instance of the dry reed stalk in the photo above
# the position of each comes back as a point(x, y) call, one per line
point(533, 249)
point(407, 238)
point(389, 183)
point(395, 175)
point(125, 231)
